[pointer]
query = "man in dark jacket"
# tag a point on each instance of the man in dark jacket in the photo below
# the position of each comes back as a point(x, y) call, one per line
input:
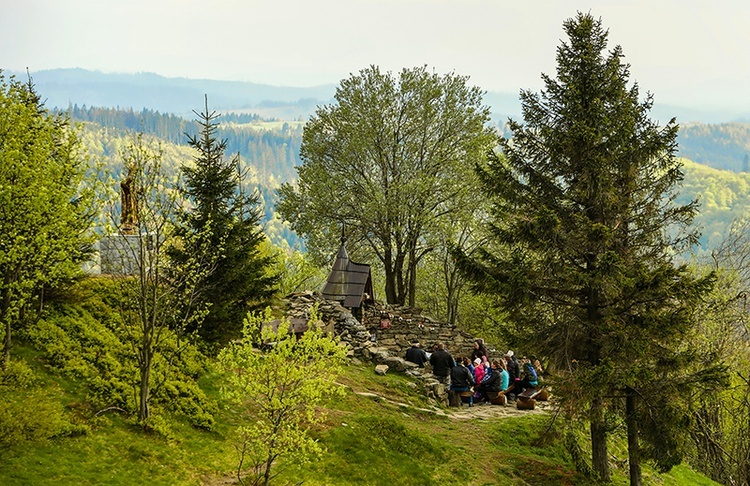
point(462, 379)
point(416, 355)
point(514, 372)
point(442, 363)
point(492, 384)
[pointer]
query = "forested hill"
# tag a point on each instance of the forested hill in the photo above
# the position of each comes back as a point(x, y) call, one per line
point(723, 196)
point(270, 150)
point(62, 88)
point(270, 146)
point(721, 146)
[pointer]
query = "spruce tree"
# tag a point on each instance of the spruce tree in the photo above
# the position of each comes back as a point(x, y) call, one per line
point(585, 226)
point(241, 279)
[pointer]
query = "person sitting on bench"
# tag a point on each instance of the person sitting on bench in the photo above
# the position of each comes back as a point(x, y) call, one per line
point(529, 377)
point(493, 383)
point(461, 378)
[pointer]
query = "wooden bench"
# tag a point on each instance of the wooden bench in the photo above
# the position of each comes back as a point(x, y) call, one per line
point(527, 400)
point(500, 398)
point(456, 398)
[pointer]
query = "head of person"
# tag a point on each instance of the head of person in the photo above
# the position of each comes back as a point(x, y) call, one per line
point(477, 362)
point(440, 346)
point(466, 361)
point(495, 364)
point(415, 343)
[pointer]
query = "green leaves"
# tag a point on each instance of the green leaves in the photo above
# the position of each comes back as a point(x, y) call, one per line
point(391, 159)
point(278, 388)
point(44, 202)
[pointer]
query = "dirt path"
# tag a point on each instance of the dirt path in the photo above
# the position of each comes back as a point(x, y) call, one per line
point(481, 411)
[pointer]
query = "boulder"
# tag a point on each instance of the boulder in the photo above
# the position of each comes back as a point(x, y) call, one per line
point(381, 369)
point(396, 363)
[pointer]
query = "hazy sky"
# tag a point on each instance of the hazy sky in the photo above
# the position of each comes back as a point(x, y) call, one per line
point(688, 52)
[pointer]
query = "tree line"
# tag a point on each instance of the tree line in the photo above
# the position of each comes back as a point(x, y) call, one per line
point(564, 239)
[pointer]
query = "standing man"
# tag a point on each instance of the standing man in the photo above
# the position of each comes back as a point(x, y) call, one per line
point(416, 355)
point(442, 362)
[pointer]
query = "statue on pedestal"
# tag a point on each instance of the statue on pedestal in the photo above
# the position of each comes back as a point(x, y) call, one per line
point(129, 213)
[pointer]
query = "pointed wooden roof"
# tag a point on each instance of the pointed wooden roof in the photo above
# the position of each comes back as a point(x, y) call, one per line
point(349, 283)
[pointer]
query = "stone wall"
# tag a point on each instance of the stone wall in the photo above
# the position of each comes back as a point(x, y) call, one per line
point(395, 328)
point(392, 328)
point(384, 335)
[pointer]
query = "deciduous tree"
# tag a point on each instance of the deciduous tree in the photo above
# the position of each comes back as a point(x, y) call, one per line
point(159, 298)
point(45, 208)
point(278, 390)
point(389, 159)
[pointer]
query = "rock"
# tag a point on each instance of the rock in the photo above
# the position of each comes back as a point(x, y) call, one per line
point(381, 369)
point(398, 364)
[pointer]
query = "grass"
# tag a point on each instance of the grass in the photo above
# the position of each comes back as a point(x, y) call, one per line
point(369, 441)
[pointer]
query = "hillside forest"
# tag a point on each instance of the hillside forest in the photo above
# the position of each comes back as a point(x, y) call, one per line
point(612, 247)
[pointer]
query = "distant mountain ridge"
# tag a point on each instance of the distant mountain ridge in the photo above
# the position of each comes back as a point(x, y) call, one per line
point(180, 96)
point(62, 88)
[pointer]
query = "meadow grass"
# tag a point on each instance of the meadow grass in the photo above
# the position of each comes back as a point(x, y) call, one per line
point(393, 436)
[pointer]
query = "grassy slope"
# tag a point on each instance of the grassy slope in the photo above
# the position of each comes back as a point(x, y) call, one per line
point(370, 441)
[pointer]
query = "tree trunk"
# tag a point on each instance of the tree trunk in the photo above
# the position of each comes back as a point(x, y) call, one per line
point(412, 280)
point(390, 286)
point(599, 460)
point(634, 453)
point(6, 345)
point(398, 273)
point(145, 365)
point(390, 277)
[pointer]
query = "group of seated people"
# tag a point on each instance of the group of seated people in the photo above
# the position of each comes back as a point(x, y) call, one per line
point(476, 373)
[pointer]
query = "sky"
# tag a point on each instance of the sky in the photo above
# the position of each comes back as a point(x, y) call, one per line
point(688, 52)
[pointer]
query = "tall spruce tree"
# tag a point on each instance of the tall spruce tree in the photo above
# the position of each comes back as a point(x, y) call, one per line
point(584, 229)
point(242, 278)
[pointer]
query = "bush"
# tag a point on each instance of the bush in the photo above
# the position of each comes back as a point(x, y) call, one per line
point(84, 338)
point(27, 413)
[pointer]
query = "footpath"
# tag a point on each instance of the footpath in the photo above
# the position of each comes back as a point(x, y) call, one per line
point(481, 411)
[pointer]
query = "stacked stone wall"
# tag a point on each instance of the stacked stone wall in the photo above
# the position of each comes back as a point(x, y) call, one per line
point(387, 327)
point(395, 327)
point(384, 334)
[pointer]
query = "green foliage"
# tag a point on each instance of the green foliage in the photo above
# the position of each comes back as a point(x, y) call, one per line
point(724, 196)
point(223, 225)
point(45, 216)
point(391, 159)
point(721, 420)
point(85, 340)
point(30, 412)
point(299, 272)
point(581, 251)
point(277, 390)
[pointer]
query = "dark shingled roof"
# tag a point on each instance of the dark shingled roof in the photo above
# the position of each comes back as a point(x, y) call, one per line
point(348, 281)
